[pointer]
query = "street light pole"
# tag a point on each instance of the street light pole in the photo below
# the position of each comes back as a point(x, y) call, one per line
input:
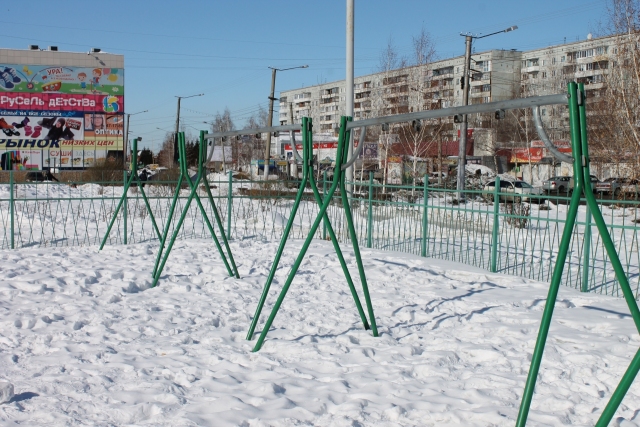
point(267, 150)
point(349, 91)
point(175, 137)
point(462, 145)
point(126, 134)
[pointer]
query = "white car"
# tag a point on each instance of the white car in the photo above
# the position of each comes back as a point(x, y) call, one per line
point(514, 191)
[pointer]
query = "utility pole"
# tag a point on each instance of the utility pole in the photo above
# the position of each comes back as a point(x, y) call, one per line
point(462, 146)
point(293, 167)
point(349, 94)
point(267, 149)
point(175, 135)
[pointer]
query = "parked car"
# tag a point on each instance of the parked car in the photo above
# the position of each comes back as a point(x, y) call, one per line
point(611, 186)
point(516, 191)
point(594, 182)
point(557, 184)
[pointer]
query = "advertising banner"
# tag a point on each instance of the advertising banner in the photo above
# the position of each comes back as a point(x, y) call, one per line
point(526, 155)
point(564, 146)
point(77, 140)
point(59, 79)
point(370, 150)
point(62, 102)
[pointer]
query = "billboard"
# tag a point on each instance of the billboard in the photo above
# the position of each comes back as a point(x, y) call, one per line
point(60, 117)
point(57, 79)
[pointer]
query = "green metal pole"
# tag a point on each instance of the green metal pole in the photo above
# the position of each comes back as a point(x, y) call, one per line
point(324, 194)
point(334, 239)
point(134, 174)
point(207, 186)
point(599, 220)
point(423, 247)
point(307, 242)
point(496, 225)
point(370, 212)
point(620, 392)
point(354, 240)
point(229, 204)
point(192, 195)
point(205, 217)
point(125, 209)
point(115, 213)
point(12, 208)
point(285, 235)
point(586, 256)
point(621, 276)
point(556, 278)
point(167, 226)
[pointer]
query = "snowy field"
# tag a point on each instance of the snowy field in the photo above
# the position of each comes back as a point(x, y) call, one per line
point(84, 341)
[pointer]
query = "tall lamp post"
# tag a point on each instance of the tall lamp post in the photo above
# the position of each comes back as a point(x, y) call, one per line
point(462, 147)
point(267, 150)
point(126, 134)
point(175, 137)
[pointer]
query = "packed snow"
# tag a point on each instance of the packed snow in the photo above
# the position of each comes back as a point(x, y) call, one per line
point(85, 341)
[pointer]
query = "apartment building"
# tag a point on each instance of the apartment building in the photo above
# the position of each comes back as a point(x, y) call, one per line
point(495, 75)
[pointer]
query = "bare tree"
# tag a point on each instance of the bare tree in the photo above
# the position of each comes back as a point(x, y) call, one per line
point(165, 155)
point(616, 128)
point(251, 147)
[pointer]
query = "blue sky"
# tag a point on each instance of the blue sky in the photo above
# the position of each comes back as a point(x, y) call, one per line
point(224, 48)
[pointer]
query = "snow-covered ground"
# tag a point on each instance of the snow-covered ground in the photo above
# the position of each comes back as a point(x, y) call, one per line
point(84, 341)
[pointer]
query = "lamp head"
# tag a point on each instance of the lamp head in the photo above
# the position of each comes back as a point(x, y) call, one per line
point(511, 28)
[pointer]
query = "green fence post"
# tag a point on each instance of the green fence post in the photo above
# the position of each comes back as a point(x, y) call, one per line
point(370, 212)
point(324, 194)
point(11, 208)
point(423, 249)
point(587, 252)
point(229, 204)
point(125, 188)
point(496, 225)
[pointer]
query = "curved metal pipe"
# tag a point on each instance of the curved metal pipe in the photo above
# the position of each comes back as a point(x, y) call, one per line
point(363, 130)
point(545, 138)
point(292, 138)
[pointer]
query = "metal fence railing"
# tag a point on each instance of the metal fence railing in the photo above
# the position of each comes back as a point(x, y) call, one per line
point(495, 231)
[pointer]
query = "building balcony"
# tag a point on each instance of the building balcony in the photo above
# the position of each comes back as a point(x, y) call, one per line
point(532, 69)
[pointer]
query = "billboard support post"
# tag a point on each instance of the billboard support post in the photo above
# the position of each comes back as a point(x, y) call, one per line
point(11, 207)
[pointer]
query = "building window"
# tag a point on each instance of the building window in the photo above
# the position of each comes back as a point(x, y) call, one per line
point(553, 60)
point(544, 74)
point(563, 58)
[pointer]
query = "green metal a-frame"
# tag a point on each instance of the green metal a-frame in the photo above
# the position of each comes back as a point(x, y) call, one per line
point(338, 180)
point(193, 185)
point(581, 173)
point(122, 204)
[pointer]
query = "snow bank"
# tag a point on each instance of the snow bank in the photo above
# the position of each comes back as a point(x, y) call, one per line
point(86, 342)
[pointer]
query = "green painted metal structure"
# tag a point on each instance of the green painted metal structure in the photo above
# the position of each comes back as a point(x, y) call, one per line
point(581, 173)
point(123, 200)
point(338, 181)
point(193, 185)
